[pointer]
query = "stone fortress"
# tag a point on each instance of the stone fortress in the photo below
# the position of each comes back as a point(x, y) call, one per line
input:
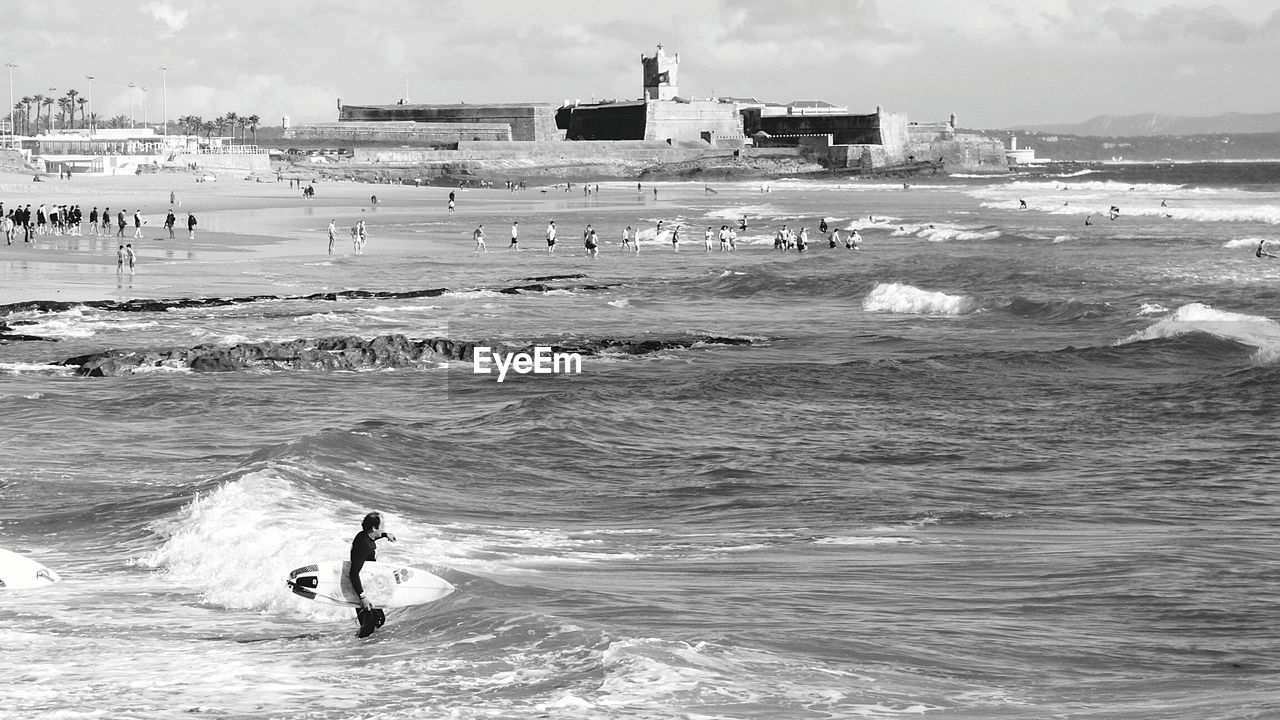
point(661, 125)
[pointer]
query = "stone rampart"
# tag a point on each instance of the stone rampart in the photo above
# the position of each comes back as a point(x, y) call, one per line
point(963, 152)
point(528, 121)
point(551, 153)
point(678, 121)
point(400, 131)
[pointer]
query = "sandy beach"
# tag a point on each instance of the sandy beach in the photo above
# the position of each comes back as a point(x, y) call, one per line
point(250, 236)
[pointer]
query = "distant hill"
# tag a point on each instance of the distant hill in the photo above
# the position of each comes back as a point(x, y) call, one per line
point(1153, 124)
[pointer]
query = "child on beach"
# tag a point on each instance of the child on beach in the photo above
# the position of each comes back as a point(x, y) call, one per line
point(551, 236)
point(592, 243)
point(191, 226)
point(130, 256)
point(120, 260)
point(333, 234)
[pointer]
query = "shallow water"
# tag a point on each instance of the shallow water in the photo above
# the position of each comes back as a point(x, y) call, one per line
point(995, 464)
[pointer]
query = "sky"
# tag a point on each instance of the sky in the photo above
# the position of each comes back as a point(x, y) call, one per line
point(992, 64)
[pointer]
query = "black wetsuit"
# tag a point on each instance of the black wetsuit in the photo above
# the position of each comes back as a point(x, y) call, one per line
point(364, 550)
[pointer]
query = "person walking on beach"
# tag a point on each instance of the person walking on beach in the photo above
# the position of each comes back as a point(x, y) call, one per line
point(333, 234)
point(592, 243)
point(478, 234)
point(515, 236)
point(130, 256)
point(137, 224)
point(191, 226)
point(626, 238)
point(362, 236)
point(551, 236)
point(120, 261)
point(120, 224)
point(106, 221)
point(169, 221)
point(93, 221)
point(364, 548)
point(724, 238)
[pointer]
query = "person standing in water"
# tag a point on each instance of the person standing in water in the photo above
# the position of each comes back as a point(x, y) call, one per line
point(364, 548)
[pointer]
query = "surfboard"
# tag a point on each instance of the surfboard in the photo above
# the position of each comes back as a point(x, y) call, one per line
point(386, 585)
point(19, 572)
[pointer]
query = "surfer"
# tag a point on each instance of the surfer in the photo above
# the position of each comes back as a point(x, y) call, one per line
point(364, 548)
point(1262, 253)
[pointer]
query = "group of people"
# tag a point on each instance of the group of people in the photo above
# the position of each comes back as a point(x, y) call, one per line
point(725, 239)
point(69, 220)
point(358, 236)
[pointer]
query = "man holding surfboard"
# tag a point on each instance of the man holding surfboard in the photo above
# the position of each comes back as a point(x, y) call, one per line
point(364, 548)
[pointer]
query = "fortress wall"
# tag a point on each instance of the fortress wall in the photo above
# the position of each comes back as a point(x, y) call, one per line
point(531, 121)
point(619, 121)
point(894, 137)
point(964, 152)
point(846, 129)
point(568, 152)
point(687, 121)
point(434, 133)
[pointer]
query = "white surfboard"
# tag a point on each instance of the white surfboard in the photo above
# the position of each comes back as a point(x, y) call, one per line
point(19, 572)
point(386, 585)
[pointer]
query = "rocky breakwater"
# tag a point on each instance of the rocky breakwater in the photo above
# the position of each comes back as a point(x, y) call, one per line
point(345, 353)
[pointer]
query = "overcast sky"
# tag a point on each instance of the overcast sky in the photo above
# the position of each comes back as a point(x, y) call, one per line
point(994, 64)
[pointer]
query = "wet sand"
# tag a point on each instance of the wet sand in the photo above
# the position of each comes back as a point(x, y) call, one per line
point(247, 232)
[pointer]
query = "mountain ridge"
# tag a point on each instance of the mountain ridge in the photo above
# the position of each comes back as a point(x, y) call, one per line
point(1157, 124)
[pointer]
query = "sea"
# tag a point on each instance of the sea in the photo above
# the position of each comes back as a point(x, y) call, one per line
point(994, 463)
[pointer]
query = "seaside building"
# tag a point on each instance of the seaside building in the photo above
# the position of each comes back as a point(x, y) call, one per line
point(110, 151)
point(438, 125)
point(661, 119)
point(660, 114)
point(1014, 156)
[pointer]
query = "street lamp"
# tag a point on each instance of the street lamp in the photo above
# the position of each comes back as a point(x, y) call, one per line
point(52, 92)
point(12, 110)
point(131, 87)
point(93, 120)
point(144, 106)
point(164, 94)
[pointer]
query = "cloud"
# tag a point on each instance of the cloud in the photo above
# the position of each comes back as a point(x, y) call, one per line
point(174, 20)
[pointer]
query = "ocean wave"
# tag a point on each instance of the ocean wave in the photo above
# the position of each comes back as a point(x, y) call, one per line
point(1248, 242)
point(907, 299)
point(356, 353)
point(1057, 310)
point(1251, 330)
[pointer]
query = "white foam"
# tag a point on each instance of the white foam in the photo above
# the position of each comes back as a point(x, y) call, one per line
point(1253, 330)
point(908, 299)
point(1249, 242)
point(20, 368)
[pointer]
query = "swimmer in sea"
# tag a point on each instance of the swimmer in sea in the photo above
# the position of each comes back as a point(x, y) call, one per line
point(1262, 253)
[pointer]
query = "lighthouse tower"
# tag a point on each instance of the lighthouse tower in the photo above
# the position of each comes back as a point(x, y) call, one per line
point(660, 75)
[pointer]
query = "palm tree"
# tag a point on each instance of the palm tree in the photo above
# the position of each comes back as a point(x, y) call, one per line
point(84, 122)
point(230, 120)
point(71, 104)
point(25, 102)
point(37, 100)
point(119, 121)
point(253, 125)
point(94, 119)
point(64, 107)
point(208, 126)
